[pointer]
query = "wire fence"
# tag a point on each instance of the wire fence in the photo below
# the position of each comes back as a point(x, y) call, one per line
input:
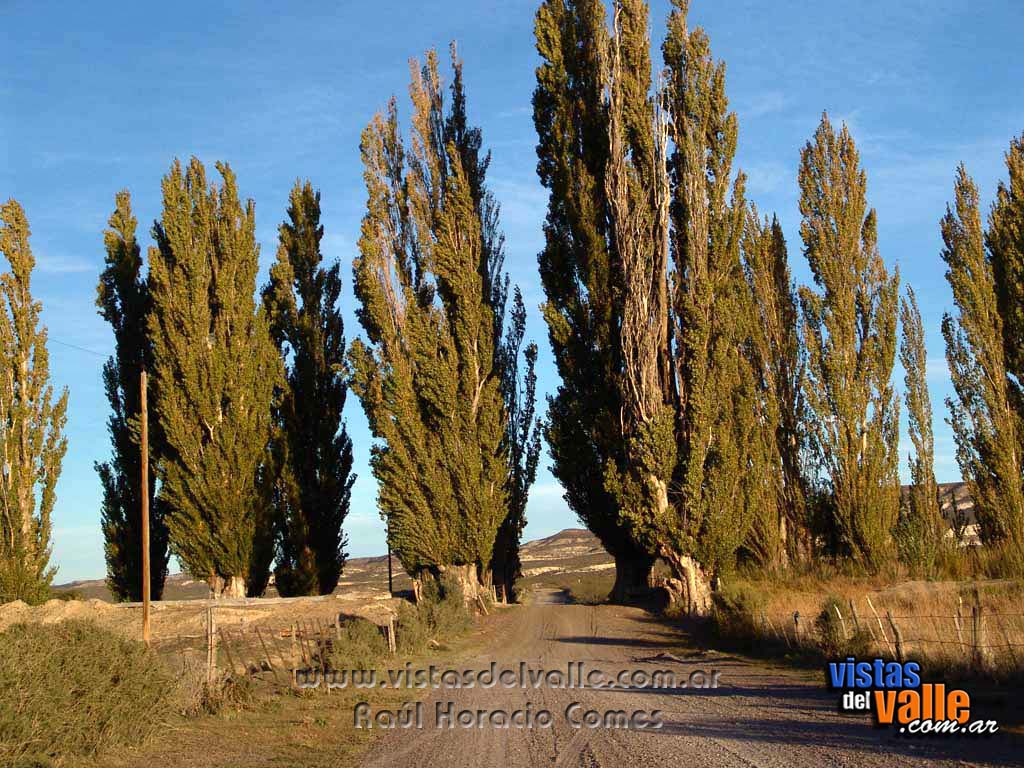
point(972, 632)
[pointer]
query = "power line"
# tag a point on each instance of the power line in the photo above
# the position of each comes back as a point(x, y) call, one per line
point(75, 346)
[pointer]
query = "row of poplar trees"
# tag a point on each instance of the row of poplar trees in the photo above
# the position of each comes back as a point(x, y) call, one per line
point(251, 463)
point(709, 411)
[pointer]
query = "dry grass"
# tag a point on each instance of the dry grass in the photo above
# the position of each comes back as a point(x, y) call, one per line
point(73, 689)
point(934, 619)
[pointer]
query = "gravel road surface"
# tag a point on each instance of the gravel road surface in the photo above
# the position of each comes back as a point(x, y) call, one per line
point(758, 716)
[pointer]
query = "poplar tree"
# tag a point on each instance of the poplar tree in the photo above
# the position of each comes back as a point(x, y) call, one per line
point(215, 372)
point(1005, 242)
point(921, 527)
point(123, 301)
point(430, 377)
point(850, 331)
point(515, 364)
point(32, 440)
point(780, 363)
point(720, 440)
point(985, 414)
point(578, 270)
point(314, 449)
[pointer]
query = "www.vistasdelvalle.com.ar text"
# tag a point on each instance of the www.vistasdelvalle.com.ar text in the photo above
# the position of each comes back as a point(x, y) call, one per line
point(575, 675)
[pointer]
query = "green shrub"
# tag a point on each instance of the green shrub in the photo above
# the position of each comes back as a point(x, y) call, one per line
point(360, 646)
point(441, 613)
point(411, 630)
point(736, 614)
point(445, 609)
point(72, 689)
point(834, 638)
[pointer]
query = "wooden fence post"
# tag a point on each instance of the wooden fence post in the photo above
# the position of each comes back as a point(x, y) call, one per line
point(841, 621)
point(266, 652)
point(881, 629)
point(856, 618)
point(977, 633)
point(958, 621)
point(211, 644)
point(896, 634)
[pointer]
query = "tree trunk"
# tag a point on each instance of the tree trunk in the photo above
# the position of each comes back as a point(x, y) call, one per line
point(466, 577)
point(230, 587)
point(633, 577)
point(690, 587)
point(234, 586)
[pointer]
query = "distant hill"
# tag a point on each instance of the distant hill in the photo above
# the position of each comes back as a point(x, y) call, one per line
point(574, 549)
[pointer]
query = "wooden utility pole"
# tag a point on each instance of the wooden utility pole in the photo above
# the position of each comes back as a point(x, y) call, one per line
point(391, 583)
point(144, 430)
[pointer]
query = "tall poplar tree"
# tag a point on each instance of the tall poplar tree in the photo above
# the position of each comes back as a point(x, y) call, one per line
point(32, 441)
point(985, 414)
point(579, 272)
point(850, 330)
point(780, 362)
point(430, 377)
point(315, 451)
point(123, 301)
point(721, 442)
point(921, 527)
point(215, 373)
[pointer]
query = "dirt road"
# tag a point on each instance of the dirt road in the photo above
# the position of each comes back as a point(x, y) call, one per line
point(756, 717)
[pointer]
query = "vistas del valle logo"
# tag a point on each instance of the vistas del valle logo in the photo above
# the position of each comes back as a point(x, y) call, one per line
point(894, 692)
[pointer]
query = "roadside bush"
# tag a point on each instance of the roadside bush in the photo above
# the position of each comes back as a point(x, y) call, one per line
point(834, 638)
point(360, 646)
point(411, 630)
point(441, 613)
point(444, 608)
point(73, 689)
point(736, 614)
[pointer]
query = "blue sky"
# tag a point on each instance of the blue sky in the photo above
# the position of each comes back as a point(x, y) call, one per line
point(97, 97)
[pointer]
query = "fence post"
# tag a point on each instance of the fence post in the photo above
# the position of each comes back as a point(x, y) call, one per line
point(856, 618)
point(295, 653)
point(796, 626)
point(211, 644)
point(841, 621)
point(266, 652)
point(897, 634)
point(977, 633)
point(881, 629)
point(958, 621)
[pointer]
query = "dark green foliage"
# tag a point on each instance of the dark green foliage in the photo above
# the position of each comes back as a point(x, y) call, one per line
point(722, 446)
point(850, 331)
point(518, 390)
point(434, 374)
point(314, 451)
point(74, 689)
point(986, 414)
point(32, 441)
point(577, 268)
point(781, 531)
point(838, 637)
point(522, 441)
point(215, 371)
point(738, 617)
point(123, 301)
